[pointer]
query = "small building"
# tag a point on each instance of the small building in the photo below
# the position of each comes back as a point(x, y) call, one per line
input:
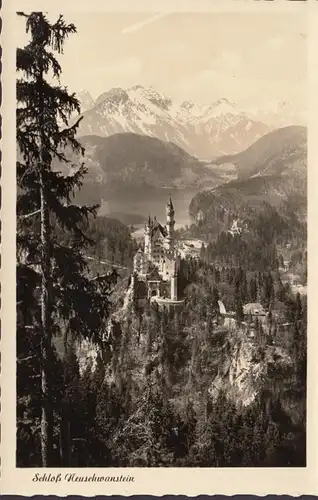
point(253, 312)
point(254, 309)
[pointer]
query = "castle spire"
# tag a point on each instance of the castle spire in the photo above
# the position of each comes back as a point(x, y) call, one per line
point(169, 207)
point(170, 222)
point(170, 202)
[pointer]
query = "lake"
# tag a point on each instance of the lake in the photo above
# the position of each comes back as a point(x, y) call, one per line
point(133, 206)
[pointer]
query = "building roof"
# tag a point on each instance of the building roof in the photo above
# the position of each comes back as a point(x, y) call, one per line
point(138, 254)
point(254, 308)
point(157, 226)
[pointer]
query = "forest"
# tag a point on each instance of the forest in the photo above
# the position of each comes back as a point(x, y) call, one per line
point(165, 388)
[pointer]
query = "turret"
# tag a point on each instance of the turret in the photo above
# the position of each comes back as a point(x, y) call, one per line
point(170, 221)
point(174, 287)
point(148, 227)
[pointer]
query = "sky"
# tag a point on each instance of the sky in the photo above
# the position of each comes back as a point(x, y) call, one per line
point(249, 58)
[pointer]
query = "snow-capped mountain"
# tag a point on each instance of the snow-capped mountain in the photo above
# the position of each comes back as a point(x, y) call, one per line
point(220, 126)
point(139, 110)
point(204, 131)
point(85, 99)
point(280, 114)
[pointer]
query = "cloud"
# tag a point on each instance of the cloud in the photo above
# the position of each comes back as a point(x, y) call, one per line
point(145, 22)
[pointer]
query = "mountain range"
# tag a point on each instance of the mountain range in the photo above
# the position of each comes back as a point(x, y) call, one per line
point(132, 162)
point(282, 152)
point(272, 170)
point(205, 131)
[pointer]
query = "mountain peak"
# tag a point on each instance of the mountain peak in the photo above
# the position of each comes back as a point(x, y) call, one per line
point(85, 99)
point(115, 94)
point(151, 95)
point(187, 105)
point(223, 106)
point(224, 100)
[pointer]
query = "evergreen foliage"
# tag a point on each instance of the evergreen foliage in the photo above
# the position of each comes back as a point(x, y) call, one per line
point(58, 293)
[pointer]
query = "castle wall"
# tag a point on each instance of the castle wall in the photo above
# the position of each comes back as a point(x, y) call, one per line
point(140, 263)
point(153, 288)
point(165, 290)
point(168, 268)
point(157, 251)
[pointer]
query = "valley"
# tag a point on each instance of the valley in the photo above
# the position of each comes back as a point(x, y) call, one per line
point(132, 207)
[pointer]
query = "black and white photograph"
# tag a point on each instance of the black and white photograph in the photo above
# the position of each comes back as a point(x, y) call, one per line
point(161, 239)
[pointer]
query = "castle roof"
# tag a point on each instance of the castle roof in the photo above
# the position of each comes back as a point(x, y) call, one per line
point(170, 204)
point(157, 226)
point(139, 253)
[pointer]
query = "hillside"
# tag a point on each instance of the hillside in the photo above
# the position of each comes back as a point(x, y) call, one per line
point(131, 162)
point(264, 207)
point(273, 169)
point(131, 159)
point(170, 388)
point(277, 153)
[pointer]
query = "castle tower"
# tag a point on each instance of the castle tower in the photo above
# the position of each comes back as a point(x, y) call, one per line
point(170, 223)
point(174, 287)
point(147, 233)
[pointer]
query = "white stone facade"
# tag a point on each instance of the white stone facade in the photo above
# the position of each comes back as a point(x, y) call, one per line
point(158, 263)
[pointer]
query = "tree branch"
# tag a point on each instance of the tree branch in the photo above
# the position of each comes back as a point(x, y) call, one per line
point(29, 215)
point(21, 360)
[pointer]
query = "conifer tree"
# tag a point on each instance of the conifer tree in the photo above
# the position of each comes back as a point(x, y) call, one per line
point(202, 252)
point(239, 309)
point(46, 141)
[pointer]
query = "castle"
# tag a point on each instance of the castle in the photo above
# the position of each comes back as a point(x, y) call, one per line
point(156, 267)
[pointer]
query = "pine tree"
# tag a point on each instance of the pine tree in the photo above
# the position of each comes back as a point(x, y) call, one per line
point(215, 309)
point(69, 298)
point(202, 252)
point(239, 309)
point(253, 290)
point(69, 402)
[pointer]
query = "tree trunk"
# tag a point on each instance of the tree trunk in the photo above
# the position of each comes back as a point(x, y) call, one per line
point(46, 383)
point(65, 437)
